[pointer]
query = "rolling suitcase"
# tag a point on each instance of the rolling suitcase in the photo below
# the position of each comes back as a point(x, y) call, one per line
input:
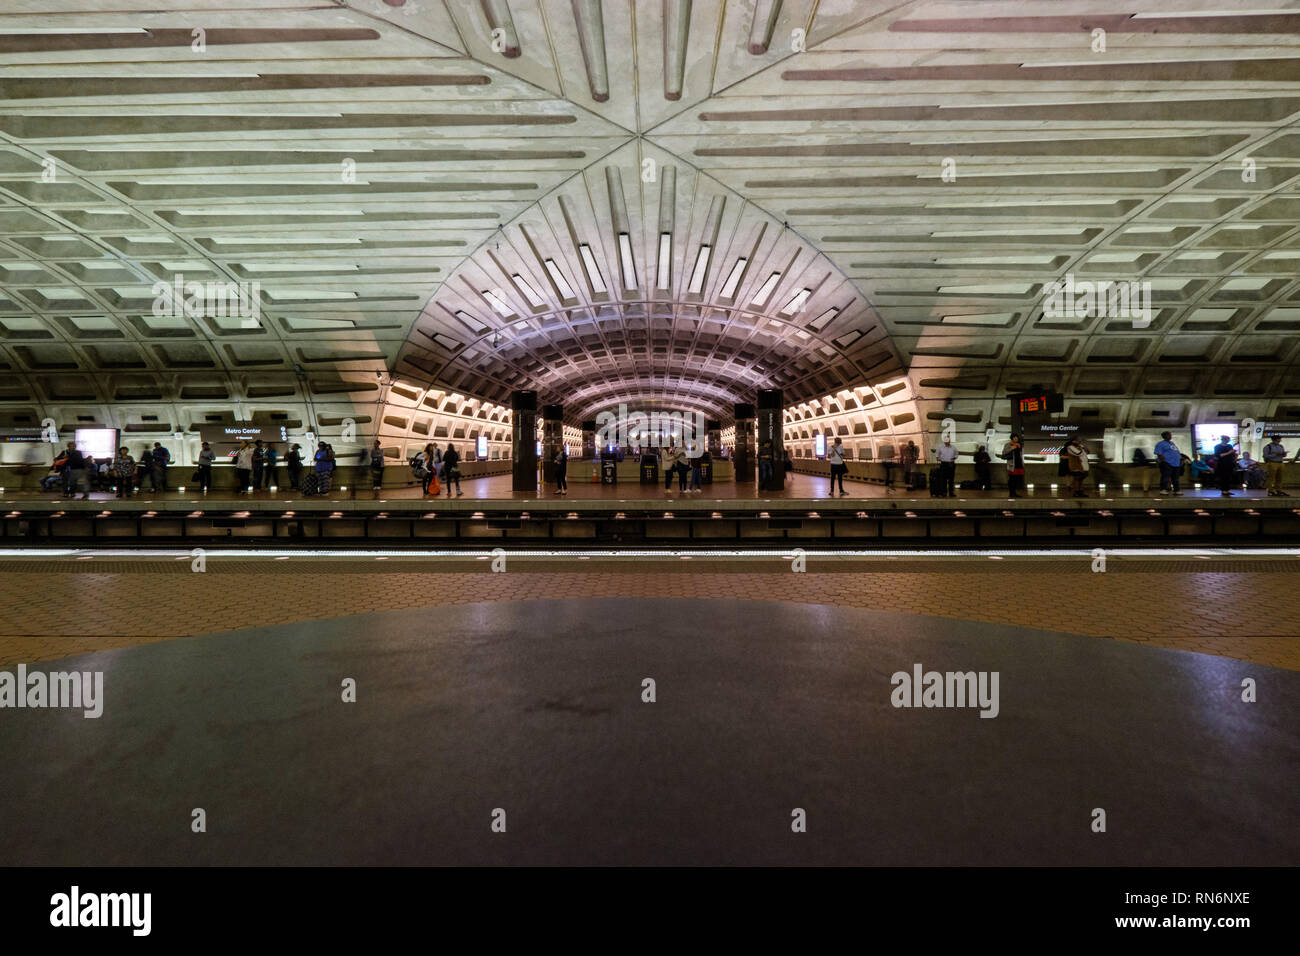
point(936, 483)
point(309, 483)
point(918, 482)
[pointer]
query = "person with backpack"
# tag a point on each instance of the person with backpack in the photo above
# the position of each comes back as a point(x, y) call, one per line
point(428, 466)
point(838, 468)
point(451, 468)
point(161, 459)
point(294, 461)
point(376, 468)
point(1075, 454)
point(1013, 454)
point(1225, 468)
point(269, 477)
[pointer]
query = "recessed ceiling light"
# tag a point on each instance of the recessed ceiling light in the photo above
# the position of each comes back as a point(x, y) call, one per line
point(593, 270)
point(665, 260)
point(527, 291)
point(797, 303)
point(733, 279)
point(499, 305)
point(765, 290)
point(566, 290)
point(700, 271)
point(625, 258)
point(823, 320)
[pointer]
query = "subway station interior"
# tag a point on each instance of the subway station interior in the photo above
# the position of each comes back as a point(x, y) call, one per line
point(576, 432)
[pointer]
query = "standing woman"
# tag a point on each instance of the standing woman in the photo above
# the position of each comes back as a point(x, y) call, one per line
point(243, 466)
point(376, 468)
point(124, 468)
point(1014, 456)
point(430, 466)
point(451, 469)
point(206, 458)
point(562, 471)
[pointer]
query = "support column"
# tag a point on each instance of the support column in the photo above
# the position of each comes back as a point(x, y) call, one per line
point(523, 421)
point(771, 427)
point(552, 439)
point(743, 454)
point(589, 440)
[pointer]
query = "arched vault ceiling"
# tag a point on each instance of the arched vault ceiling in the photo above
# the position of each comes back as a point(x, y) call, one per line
point(386, 169)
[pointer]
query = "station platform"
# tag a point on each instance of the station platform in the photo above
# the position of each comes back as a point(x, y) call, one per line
point(725, 511)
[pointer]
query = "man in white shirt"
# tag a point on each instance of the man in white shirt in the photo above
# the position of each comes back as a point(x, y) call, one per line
point(947, 456)
point(836, 457)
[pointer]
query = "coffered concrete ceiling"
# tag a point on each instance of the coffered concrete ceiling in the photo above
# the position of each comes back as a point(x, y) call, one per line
point(657, 200)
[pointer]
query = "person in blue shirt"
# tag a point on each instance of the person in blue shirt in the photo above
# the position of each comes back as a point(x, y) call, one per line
point(1170, 460)
point(1226, 467)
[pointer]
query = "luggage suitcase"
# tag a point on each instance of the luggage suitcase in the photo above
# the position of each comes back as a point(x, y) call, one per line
point(936, 483)
point(918, 481)
point(970, 484)
point(309, 484)
point(323, 483)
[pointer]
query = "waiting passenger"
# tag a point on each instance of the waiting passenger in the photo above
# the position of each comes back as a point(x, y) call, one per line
point(124, 469)
point(1013, 454)
point(983, 480)
point(451, 469)
point(1274, 463)
point(259, 464)
point(947, 456)
point(269, 477)
point(836, 458)
point(560, 460)
point(244, 467)
point(294, 461)
point(1170, 460)
point(911, 455)
point(1075, 454)
point(161, 459)
point(697, 473)
point(765, 461)
point(376, 468)
point(1225, 467)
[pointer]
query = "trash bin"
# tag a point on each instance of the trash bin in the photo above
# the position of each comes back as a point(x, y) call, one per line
point(649, 469)
point(706, 470)
point(609, 472)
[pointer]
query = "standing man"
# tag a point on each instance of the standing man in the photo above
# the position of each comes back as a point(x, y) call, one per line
point(161, 459)
point(947, 456)
point(765, 461)
point(259, 464)
point(1226, 465)
point(206, 457)
point(911, 455)
point(1274, 462)
point(836, 457)
point(269, 475)
point(376, 468)
point(75, 470)
point(1170, 460)
point(294, 459)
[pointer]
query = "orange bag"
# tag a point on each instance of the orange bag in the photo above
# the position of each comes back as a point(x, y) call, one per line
point(435, 489)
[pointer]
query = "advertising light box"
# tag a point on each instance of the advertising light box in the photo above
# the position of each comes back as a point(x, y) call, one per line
point(819, 445)
point(98, 443)
point(1208, 435)
point(481, 450)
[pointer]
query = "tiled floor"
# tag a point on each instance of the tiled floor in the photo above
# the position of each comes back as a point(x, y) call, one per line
point(1248, 611)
